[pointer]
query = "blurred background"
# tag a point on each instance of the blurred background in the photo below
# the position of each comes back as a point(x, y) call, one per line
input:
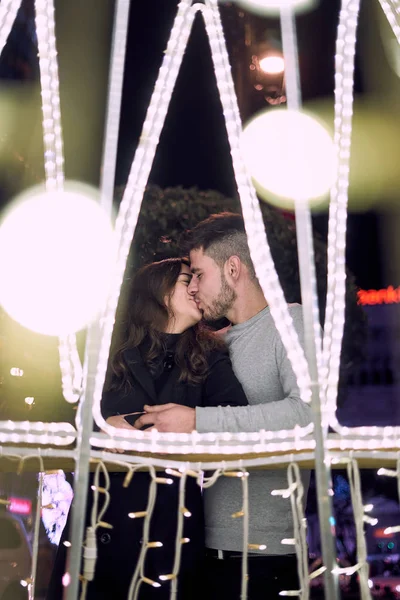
point(191, 177)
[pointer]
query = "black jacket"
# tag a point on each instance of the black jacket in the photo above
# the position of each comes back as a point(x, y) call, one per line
point(220, 388)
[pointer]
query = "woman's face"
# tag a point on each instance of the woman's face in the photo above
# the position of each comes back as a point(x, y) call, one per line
point(184, 309)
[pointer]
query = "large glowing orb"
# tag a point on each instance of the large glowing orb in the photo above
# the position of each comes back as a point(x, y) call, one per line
point(272, 7)
point(290, 156)
point(56, 257)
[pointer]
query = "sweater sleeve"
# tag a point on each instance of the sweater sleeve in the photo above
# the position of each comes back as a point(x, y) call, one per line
point(271, 416)
point(222, 388)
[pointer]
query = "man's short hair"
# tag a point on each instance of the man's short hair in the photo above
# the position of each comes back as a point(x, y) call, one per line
point(221, 236)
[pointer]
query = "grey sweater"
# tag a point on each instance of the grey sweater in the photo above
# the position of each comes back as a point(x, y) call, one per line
point(260, 363)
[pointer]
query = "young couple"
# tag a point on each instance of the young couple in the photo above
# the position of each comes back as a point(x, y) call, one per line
point(179, 377)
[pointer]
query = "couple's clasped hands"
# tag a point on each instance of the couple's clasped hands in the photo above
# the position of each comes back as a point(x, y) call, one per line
point(163, 417)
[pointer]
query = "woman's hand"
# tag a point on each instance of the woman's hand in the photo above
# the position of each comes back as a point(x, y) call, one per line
point(118, 421)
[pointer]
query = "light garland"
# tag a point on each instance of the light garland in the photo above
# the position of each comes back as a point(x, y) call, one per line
point(391, 8)
point(295, 492)
point(70, 365)
point(336, 285)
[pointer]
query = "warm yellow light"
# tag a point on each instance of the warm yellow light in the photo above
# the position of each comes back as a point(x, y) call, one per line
point(290, 156)
point(272, 7)
point(56, 258)
point(272, 64)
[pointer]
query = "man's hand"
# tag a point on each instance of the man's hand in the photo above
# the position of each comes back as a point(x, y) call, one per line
point(168, 418)
point(119, 422)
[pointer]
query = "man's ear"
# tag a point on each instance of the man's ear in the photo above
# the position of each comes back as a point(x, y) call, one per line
point(233, 268)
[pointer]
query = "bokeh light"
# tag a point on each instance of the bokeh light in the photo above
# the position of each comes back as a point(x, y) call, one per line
point(290, 156)
point(272, 7)
point(272, 64)
point(56, 258)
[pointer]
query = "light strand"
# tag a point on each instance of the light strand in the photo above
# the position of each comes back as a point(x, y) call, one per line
point(245, 516)
point(300, 530)
point(179, 537)
point(362, 567)
point(70, 365)
point(138, 575)
point(336, 278)
point(391, 9)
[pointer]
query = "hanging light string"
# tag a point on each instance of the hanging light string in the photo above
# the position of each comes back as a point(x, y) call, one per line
point(71, 368)
point(138, 576)
point(96, 521)
point(182, 512)
point(361, 566)
point(8, 14)
point(296, 495)
point(392, 473)
point(70, 364)
point(113, 112)
point(30, 582)
point(246, 516)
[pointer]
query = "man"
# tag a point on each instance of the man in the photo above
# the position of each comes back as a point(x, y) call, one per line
point(224, 284)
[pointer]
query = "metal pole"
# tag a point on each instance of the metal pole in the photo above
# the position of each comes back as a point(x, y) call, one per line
point(310, 317)
point(93, 342)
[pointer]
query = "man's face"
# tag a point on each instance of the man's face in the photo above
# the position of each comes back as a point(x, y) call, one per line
point(213, 294)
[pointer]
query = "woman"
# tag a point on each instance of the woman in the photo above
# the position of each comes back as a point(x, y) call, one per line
point(168, 356)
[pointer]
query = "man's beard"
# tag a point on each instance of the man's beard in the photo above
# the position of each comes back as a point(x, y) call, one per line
point(219, 308)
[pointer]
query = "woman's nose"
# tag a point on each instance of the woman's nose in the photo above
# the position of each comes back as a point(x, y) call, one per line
point(192, 287)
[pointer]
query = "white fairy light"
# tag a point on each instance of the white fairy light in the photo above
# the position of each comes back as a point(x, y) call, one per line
point(391, 8)
point(52, 133)
point(336, 286)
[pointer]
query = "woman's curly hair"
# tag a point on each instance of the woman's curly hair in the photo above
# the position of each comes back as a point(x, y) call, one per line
point(147, 319)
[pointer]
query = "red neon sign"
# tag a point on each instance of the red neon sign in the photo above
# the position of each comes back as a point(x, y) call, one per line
point(389, 295)
point(20, 506)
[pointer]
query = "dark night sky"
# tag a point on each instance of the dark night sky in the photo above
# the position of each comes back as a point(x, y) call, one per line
point(193, 149)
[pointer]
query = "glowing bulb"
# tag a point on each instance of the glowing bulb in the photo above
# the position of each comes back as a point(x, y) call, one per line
point(370, 584)
point(61, 244)
point(272, 64)
point(16, 372)
point(30, 400)
point(272, 7)
point(290, 156)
